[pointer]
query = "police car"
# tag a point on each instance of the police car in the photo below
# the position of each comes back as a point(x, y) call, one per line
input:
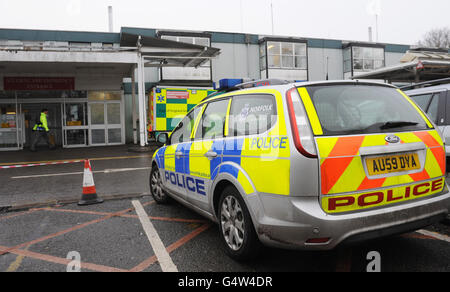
point(305, 165)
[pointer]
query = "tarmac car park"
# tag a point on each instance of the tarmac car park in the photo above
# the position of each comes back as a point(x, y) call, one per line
point(305, 165)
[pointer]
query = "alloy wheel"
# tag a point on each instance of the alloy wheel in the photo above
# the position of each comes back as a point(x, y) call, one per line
point(232, 222)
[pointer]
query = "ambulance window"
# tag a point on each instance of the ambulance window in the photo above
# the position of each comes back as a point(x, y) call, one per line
point(252, 114)
point(213, 120)
point(183, 131)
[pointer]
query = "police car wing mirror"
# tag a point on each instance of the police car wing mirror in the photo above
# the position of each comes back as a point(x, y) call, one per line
point(163, 138)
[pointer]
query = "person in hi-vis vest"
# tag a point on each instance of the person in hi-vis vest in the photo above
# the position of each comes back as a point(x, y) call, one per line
point(41, 131)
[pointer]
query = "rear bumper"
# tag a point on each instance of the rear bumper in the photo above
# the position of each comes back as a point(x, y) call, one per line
point(292, 221)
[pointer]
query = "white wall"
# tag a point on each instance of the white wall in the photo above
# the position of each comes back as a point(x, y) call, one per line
point(236, 61)
point(317, 64)
point(392, 59)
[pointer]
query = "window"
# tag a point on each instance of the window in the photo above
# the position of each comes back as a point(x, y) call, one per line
point(104, 95)
point(79, 46)
point(108, 46)
point(262, 56)
point(423, 100)
point(363, 109)
point(367, 58)
point(432, 111)
point(347, 60)
point(213, 120)
point(183, 131)
point(429, 103)
point(181, 73)
point(359, 59)
point(252, 114)
point(287, 55)
point(285, 60)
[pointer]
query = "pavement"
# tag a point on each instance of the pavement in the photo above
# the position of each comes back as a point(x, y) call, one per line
point(43, 229)
point(118, 173)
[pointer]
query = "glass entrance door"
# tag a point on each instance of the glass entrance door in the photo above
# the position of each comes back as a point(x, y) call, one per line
point(75, 127)
point(12, 124)
point(114, 124)
point(106, 122)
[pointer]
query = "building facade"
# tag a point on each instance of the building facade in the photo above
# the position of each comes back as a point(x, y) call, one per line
point(85, 79)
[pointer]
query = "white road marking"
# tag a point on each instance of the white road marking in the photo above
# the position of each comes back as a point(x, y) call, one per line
point(161, 253)
point(81, 172)
point(434, 235)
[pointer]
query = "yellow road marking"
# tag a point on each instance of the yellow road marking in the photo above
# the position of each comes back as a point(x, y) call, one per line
point(16, 264)
point(91, 159)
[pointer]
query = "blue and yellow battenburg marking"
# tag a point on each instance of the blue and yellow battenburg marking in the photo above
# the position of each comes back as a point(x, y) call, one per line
point(186, 182)
point(258, 163)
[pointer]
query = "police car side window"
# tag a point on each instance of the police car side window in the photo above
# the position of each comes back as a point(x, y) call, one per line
point(212, 123)
point(183, 132)
point(252, 114)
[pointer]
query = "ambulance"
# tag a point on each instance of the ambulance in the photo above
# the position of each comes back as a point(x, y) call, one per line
point(307, 166)
point(169, 104)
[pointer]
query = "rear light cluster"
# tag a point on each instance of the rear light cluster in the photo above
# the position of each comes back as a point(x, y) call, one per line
point(301, 130)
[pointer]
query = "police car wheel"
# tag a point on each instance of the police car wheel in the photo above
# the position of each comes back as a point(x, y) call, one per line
point(155, 187)
point(236, 227)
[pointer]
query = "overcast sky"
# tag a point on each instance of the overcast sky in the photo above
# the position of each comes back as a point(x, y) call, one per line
point(400, 21)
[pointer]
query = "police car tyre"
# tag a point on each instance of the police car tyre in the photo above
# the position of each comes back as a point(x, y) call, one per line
point(237, 232)
point(155, 187)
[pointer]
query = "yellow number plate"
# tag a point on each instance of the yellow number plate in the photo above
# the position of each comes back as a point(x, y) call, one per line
point(392, 163)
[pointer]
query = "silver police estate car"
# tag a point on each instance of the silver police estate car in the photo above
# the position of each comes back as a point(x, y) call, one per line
point(305, 165)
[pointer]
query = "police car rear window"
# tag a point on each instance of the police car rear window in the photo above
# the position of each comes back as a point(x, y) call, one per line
point(251, 114)
point(360, 109)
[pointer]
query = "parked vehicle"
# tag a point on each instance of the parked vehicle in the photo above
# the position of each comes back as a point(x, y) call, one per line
point(435, 101)
point(305, 165)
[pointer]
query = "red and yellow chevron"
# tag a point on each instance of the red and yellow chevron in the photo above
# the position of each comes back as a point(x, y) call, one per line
point(342, 169)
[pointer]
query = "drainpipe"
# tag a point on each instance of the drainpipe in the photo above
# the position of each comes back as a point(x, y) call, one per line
point(133, 100)
point(141, 95)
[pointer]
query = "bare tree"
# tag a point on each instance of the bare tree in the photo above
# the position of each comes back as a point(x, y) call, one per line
point(436, 38)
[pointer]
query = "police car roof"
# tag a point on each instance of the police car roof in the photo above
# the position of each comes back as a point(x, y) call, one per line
point(342, 82)
point(288, 85)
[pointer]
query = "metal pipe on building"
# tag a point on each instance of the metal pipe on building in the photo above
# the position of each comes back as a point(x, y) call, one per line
point(141, 95)
point(110, 18)
point(133, 102)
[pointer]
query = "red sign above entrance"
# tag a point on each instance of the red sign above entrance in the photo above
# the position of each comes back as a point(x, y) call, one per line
point(39, 83)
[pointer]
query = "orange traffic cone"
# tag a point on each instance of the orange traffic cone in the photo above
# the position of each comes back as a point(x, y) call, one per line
point(89, 196)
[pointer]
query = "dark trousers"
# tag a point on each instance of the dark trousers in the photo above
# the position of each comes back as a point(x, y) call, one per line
point(37, 137)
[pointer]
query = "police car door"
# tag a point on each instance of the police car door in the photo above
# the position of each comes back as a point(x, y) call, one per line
point(206, 152)
point(177, 155)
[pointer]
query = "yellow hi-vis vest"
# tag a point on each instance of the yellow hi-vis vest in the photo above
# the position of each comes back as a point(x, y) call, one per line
point(43, 125)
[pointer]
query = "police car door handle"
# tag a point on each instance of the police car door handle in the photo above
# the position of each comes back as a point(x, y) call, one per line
point(178, 153)
point(211, 154)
